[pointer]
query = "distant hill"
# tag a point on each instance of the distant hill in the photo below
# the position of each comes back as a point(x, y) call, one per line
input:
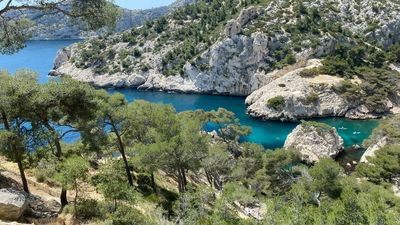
point(59, 26)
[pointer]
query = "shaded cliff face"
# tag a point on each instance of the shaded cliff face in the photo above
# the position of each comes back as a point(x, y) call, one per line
point(237, 48)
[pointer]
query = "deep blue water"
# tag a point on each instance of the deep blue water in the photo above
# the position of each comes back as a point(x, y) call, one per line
point(39, 56)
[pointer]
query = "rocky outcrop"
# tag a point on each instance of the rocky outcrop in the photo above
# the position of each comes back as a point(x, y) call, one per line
point(234, 69)
point(12, 204)
point(308, 97)
point(370, 152)
point(315, 141)
point(234, 26)
point(249, 58)
point(303, 97)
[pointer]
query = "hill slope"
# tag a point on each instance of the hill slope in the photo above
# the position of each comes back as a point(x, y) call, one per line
point(58, 26)
point(320, 58)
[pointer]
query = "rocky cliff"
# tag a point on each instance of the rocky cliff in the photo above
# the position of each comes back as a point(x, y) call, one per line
point(257, 50)
point(315, 141)
point(58, 26)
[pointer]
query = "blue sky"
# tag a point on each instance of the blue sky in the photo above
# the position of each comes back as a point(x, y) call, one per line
point(136, 4)
point(142, 4)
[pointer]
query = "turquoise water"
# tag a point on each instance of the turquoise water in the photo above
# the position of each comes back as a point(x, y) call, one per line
point(39, 56)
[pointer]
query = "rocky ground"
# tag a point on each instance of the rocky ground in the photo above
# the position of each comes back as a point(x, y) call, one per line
point(43, 203)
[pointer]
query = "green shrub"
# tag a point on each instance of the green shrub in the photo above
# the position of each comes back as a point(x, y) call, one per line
point(88, 209)
point(137, 53)
point(289, 59)
point(276, 102)
point(321, 126)
point(309, 72)
point(348, 90)
point(144, 67)
point(312, 98)
point(335, 66)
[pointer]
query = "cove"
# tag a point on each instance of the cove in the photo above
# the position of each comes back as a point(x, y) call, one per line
point(39, 55)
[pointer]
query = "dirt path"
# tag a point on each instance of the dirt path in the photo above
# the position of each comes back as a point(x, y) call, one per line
point(10, 170)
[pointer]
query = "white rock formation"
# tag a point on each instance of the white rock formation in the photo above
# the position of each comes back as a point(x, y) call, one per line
point(314, 143)
point(234, 26)
point(240, 61)
point(297, 92)
point(12, 204)
point(234, 69)
point(370, 152)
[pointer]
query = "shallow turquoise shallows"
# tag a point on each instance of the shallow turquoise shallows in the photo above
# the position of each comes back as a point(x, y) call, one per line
point(39, 56)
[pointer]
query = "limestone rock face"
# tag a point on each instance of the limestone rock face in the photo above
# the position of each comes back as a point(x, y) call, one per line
point(12, 204)
point(62, 57)
point(235, 26)
point(246, 59)
point(370, 152)
point(314, 142)
point(233, 69)
point(303, 97)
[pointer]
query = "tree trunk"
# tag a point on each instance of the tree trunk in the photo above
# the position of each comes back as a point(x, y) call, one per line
point(122, 151)
point(180, 183)
point(57, 143)
point(23, 177)
point(182, 180)
point(76, 199)
point(13, 148)
point(63, 199)
point(153, 182)
point(56, 140)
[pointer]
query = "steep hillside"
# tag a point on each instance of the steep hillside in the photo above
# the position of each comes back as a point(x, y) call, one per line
point(296, 59)
point(58, 26)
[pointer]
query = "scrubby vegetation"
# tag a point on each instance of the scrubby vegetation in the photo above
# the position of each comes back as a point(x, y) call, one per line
point(276, 102)
point(152, 165)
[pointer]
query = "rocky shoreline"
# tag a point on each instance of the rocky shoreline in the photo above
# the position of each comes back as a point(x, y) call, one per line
point(239, 65)
point(287, 83)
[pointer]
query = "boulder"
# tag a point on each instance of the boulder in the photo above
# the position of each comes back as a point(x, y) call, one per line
point(12, 204)
point(314, 141)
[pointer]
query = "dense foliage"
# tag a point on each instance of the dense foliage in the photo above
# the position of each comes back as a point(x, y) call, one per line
point(13, 24)
point(142, 155)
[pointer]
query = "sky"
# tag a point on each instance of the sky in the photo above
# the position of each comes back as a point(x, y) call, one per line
point(142, 4)
point(136, 4)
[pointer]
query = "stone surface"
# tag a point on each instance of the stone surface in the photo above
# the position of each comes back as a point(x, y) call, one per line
point(234, 26)
point(243, 60)
point(370, 152)
point(14, 223)
point(12, 204)
point(296, 91)
point(314, 143)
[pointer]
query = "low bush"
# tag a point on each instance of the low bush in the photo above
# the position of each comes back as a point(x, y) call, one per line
point(312, 98)
point(309, 72)
point(276, 102)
